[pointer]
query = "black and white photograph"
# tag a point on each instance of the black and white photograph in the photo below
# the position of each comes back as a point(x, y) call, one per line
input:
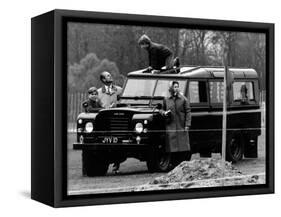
point(140, 108)
point(159, 108)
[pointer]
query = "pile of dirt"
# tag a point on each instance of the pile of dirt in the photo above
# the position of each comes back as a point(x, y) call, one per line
point(198, 169)
point(208, 172)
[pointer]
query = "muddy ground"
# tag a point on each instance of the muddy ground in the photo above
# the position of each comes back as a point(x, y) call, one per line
point(133, 173)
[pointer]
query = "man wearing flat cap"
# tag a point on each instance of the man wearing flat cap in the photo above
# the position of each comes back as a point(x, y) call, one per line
point(160, 56)
point(93, 102)
point(109, 92)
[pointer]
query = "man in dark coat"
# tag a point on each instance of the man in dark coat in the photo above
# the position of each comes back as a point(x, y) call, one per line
point(93, 102)
point(177, 107)
point(160, 57)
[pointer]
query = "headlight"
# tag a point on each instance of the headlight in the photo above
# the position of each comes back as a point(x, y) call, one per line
point(80, 121)
point(89, 127)
point(139, 127)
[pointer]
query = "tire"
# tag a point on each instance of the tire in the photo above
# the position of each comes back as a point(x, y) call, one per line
point(165, 162)
point(93, 164)
point(234, 148)
point(159, 162)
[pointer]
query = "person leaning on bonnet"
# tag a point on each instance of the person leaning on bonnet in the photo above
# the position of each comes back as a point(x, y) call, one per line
point(160, 56)
point(93, 102)
point(108, 95)
point(176, 109)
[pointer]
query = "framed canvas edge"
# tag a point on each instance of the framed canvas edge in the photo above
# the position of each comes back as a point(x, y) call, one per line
point(60, 183)
point(42, 156)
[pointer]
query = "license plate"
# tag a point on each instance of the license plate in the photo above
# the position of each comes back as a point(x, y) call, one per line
point(110, 139)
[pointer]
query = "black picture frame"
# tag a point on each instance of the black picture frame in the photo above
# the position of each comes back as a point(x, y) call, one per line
point(49, 105)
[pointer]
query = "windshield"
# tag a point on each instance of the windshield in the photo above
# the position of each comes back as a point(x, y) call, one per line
point(139, 87)
point(146, 87)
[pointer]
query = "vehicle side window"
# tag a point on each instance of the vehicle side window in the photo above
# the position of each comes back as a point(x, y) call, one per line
point(243, 92)
point(197, 92)
point(216, 91)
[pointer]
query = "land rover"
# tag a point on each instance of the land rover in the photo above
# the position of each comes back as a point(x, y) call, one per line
point(136, 128)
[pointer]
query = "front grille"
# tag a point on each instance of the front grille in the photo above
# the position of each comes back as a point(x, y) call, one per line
point(114, 124)
point(117, 125)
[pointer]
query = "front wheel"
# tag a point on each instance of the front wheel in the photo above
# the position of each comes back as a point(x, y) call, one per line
point(164, 162)
point(93, 164)
point(159, 162)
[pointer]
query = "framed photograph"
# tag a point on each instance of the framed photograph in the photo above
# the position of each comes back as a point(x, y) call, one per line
point(133, 108)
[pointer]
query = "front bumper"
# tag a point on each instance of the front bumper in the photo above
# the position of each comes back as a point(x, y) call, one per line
point(111, 146)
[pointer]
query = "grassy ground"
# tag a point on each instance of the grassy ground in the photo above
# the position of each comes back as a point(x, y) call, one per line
point(134, 173)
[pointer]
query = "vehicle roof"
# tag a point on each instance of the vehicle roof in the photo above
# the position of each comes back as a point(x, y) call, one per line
point(200, 72)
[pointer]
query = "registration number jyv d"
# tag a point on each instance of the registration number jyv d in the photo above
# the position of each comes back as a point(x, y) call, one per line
point(110, 139)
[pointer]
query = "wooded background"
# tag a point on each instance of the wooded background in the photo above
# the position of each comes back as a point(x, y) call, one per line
point(93, 48)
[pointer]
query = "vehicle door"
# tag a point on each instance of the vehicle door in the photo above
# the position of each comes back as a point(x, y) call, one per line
point(197, 93)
